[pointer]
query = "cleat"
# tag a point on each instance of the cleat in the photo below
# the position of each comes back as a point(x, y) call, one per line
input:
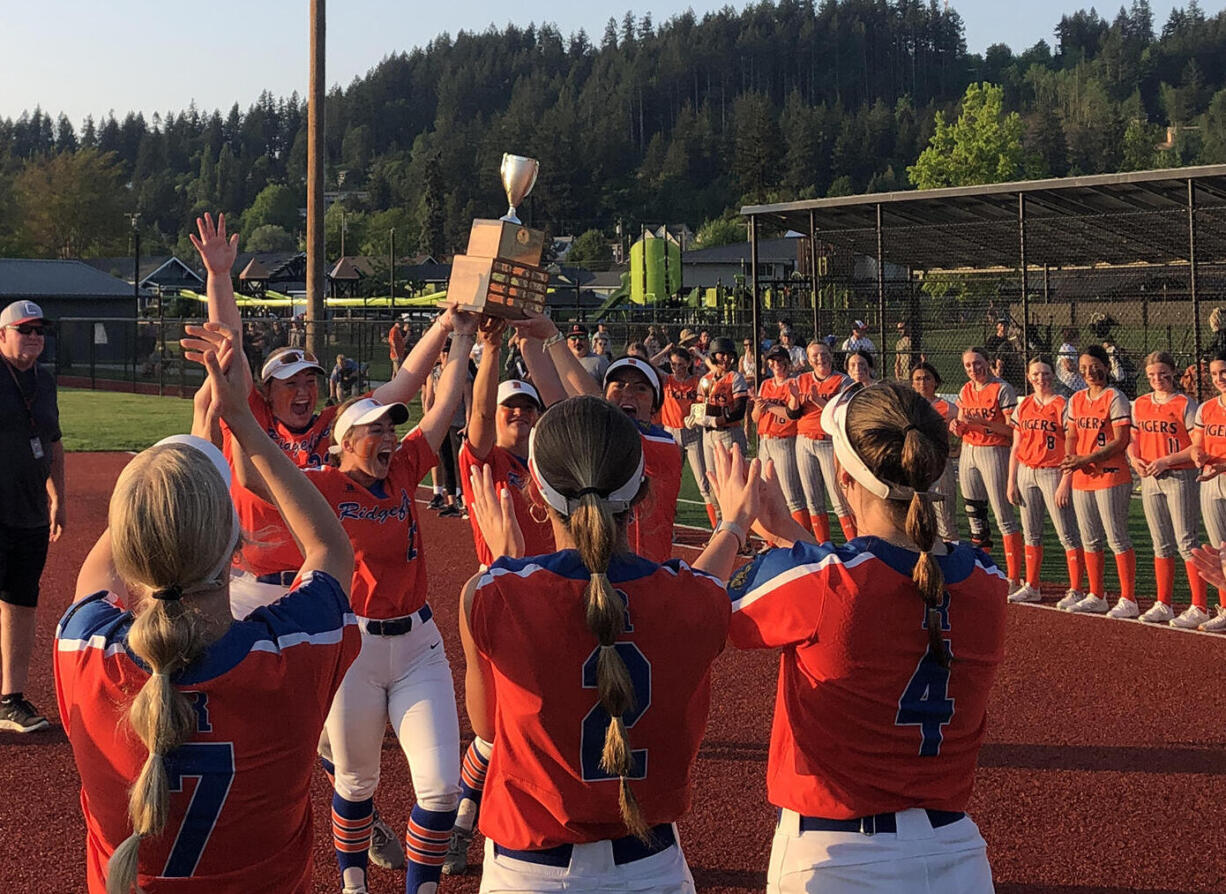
point(1071, 598)
point(19, 716)
point(1091, 604)
point(1190, 618)
point(452, 511)
point(1215, 625)
point(1124, 608)
point(436, 502)
point(1025, 593)
point(1158, 613)
point(456, 861)
point(385, 851)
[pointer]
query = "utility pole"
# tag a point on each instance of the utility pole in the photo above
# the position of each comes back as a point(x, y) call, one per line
point(391, 269)
point(134, 219)
point(315, 248)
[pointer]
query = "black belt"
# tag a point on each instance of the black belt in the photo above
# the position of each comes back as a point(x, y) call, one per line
point(625, 850)
point(877, 824)
point(280, 578)
point(397, 626)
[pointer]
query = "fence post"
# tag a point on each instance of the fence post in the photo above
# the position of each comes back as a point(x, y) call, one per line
point(93, 353)
point(1192, 284)
point(881, 287)
point(1021, 232)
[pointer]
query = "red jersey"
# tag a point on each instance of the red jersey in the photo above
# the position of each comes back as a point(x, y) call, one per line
point(1161, 429)
point(240, 810)
point(389, 564)
point(775, 394)
point(650, 532)
point(1092, 422)
point(993, 403)
point(810, 423)
point(276, 550)
point(545, 786)
point(1042, 431)
point(511, 471)
point(866, 720)
point(1211, 423)
point(679, 396)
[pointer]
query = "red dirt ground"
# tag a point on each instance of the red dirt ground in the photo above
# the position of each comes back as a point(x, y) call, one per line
point(1104, 768)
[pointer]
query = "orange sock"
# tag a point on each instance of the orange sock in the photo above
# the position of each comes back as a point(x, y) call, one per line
point(1126, 568)
point(1034, 561)
point(711, 514)
point(1200, 589)
point(1164, 577)
point(1074, 558)
point(848, 524)
point(1013, 554)
point(802, 518)
point(820, 525)
point(1094, 572)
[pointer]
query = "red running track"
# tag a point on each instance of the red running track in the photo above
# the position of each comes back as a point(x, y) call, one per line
point(1104, 769)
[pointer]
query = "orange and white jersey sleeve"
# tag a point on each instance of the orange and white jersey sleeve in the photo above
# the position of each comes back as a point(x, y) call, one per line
point(1211, 423)
point(1041, 427)
point(994, 402)
point(1093, 422)
point(1162, 429)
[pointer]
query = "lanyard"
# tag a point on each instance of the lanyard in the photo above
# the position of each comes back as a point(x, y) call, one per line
point(27, 400)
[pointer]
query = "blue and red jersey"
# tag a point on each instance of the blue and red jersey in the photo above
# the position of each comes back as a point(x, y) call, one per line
point(545, 786)
point(650, 532)
point(240, 813)
point(866, 719)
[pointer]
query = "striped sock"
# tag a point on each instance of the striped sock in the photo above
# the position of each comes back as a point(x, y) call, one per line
point(472, 782)
point(351, 825)
point(426, 846)
point(329, 770)
point(848, 524)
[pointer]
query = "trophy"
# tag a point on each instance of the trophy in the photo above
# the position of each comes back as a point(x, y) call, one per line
point(698, 410)
point(500, 274)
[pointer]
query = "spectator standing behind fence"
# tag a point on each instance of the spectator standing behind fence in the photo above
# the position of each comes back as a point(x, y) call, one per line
point(905, 357)
point(343, 379)
point(796, 354)
point(1066, 361)
point(396, 350)
point(859, 340)
point(32, 500)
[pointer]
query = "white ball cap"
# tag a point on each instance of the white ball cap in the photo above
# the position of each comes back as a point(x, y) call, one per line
point(517, 388)
point(208, 448)
point(364, 412)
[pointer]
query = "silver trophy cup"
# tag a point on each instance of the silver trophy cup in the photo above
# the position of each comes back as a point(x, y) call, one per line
point(518, 178)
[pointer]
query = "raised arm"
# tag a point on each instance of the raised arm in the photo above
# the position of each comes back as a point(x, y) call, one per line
point(482, 429)
point(574, 378)
point(451, 384)
point(416, 367)
point(217, 252)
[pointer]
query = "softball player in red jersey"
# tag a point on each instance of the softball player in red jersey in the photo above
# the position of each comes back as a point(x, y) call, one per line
point(1161, 455)
point(174, 689)
point(1036, 482)
point(1209, 455)
point(593, 767)
point(1098, 424)
point(984, 405)
point(814, 450)
point(926, 380)
point(890, 647)
point(680, 393)
point(775, 411)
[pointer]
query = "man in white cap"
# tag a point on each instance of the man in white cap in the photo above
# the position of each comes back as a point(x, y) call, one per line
point(859, 340)
point(31, 500)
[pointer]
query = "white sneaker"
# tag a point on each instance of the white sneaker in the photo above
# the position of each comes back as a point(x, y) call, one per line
point(1013, 587)
point(1025, 593)
point(1158, 613)
point(1124, 608)
point(1071, 598)
point(1091, 604)
point(1216, 625)
point(1190, 618)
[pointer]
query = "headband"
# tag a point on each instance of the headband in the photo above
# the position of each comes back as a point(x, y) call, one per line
point(618, 500)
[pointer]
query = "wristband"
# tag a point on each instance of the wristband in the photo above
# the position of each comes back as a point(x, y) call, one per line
point(552, 340)
point(735, 530)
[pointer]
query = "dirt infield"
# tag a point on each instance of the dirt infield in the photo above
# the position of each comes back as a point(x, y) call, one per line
point(1104, 768)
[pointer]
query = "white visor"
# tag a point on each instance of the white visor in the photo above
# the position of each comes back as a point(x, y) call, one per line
point(648, 371)
point(834, 423)
point(364, 412)
point(208, 448)
point(618, 501)
point(289, 363)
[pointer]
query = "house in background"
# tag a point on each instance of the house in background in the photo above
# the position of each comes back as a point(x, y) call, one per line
point(161, 275)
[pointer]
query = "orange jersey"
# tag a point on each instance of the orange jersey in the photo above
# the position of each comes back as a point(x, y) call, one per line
point(866, 720)
point(992, 403)
point(1211, 423)
point(809, 425)
point(679, 396)
point(722, 391)
point(775, 394)
point(945, 408)
point(545, 786)
point(1092, 422)
point(650, 532)
point(1161, 429)
point(276, 550)
point(1041, 426)
point(510, 471)
point(240, 805)
point(389, 566)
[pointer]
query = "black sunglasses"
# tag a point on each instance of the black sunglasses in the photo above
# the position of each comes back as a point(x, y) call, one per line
point(30, 328)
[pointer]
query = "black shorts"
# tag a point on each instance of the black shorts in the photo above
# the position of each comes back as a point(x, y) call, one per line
point(23, 553)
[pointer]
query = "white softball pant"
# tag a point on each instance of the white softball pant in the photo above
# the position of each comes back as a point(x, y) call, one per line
point(1170, 502)
point(1213, 508)
point(247, 594)
point(1037, 488)
point(591, 869)
point(725, 437)
point(1104, 512)
point(946, 510)
point(815, 459)
point(782, 452)
point(690, 441)
point(406, 680)
point(983, 474)
point(917, 859)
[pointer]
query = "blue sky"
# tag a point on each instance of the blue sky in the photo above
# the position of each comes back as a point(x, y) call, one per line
point(87, 57)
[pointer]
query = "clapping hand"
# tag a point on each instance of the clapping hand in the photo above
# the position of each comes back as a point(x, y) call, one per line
point(1209, 564)
point(494, 512)
point(734, 485)
point(213, 346)
point(216, 249)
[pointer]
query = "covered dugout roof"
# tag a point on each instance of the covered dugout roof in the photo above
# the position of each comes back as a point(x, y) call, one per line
point(1136, 217)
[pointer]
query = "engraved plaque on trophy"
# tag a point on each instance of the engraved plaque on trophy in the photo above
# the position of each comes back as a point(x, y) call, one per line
point(501, 274)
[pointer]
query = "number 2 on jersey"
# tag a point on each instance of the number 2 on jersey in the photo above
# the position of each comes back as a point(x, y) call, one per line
point(211, 764)
point(926, 703)
point(596, 722)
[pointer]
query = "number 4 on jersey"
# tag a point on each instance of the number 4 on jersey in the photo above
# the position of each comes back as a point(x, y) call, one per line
point(926, 703)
